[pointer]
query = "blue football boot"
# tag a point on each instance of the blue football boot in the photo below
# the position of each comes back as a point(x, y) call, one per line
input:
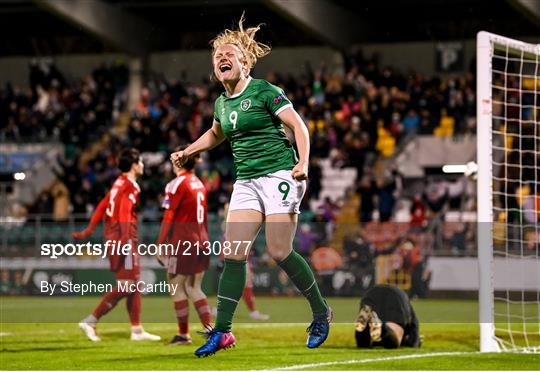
point(216, 340)
point(319, 329)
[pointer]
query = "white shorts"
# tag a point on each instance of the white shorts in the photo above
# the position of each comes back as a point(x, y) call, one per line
point(274, 193)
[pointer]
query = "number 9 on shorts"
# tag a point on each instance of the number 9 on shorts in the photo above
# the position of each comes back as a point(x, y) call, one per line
point(274, 193)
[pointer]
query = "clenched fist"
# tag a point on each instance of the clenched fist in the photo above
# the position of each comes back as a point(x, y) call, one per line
point(300, 172)
point(179, 158)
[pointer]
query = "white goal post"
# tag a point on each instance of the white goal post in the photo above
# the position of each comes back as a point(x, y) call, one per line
point(508, 137)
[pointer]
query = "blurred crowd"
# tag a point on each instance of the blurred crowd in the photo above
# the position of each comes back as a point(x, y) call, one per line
point(515, 114)
point(53, 108)
point(356, 119)
point(353, 119)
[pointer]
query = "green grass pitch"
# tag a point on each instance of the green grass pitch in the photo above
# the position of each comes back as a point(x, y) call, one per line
point(41, 333)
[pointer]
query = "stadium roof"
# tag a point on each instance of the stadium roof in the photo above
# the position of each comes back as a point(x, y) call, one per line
point(37, 28)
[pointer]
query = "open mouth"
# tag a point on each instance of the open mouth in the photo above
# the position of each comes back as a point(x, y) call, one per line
point(225, 67)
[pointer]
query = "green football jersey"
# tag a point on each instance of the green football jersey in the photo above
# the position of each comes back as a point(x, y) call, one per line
point(250, 122)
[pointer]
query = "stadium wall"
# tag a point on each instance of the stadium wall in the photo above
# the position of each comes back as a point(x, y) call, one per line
point(422, 56)
point(195, 64)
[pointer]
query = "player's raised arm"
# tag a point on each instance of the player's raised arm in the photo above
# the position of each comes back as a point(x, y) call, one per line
point(292, 120)
point(96, 218)
point(210, 139)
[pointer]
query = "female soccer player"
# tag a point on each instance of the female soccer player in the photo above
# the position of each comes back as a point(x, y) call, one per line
point(251, 114)
point(387, 318)
point(118, 209)
point(185, 220)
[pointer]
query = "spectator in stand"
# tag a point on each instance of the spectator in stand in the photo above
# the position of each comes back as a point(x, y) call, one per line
point(315, 177)
point(360, 256)
point(367, 190)
point(322, 224)
point(5, 282)
point(307, 239)
point(211, 179)
point(359, 252)
point(18, 283)
point(418, 213)
point(329, 209)
point(436, 197)
point(325, 260)
point(386, 189)
point(458, 238)
point(411, 122)
point(408, 253)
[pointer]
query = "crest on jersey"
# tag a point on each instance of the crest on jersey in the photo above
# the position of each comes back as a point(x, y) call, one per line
point(245, 104)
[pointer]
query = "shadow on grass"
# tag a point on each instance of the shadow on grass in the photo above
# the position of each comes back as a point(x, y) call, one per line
point(42, 348)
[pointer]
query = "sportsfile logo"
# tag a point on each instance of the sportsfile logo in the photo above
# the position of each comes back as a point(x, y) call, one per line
point(115, 247)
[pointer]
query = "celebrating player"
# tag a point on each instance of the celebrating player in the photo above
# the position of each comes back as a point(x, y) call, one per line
point(185, 221)
point(251, 114)
point(118, 210)
point(386, 318)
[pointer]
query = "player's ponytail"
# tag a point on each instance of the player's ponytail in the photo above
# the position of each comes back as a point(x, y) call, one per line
point(244, 39)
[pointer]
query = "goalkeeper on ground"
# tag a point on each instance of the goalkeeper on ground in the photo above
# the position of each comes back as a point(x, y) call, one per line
point(387, 319)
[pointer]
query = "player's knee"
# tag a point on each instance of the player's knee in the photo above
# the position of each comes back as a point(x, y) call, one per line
point(278, 254)
point(179, 295)
point(191, 291)
point(194, 293)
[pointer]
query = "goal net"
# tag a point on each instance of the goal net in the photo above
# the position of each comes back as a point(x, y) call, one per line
point(508, 154)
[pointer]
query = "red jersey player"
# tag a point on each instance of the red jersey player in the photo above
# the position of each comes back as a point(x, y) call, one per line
point(117, 208)
point(185, 225)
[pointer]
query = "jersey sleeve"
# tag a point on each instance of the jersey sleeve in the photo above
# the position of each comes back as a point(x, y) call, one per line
point(275, 99)
point(216, 115)
point(99, 212)
point(97, 216)
point(165, 228)
point(173, 195)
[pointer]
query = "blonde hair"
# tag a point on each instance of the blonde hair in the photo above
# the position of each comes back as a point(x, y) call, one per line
point(244, 39)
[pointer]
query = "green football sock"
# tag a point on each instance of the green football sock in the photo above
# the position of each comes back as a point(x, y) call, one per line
point(301, 275)
point(231, 286)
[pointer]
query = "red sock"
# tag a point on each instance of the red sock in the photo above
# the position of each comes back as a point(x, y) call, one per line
point(134, 308)
point(108, 302)
point(204, 312)
point(182, 314)
point(249, 299)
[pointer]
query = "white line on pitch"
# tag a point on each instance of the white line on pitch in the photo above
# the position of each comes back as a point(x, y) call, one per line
point(373, 360)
